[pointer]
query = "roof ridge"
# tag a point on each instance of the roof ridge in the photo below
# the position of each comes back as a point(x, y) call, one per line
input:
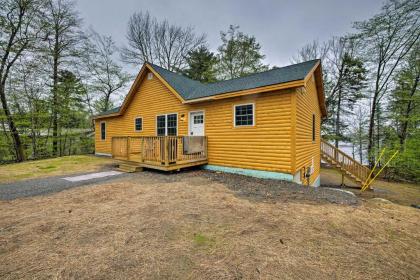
point(264, 72)
point(243, 77)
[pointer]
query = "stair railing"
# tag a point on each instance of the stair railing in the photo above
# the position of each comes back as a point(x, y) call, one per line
point(346, 162)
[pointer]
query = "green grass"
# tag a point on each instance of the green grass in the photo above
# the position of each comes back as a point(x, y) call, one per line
point(51, 167)
point(200, 239)
point(47, 167)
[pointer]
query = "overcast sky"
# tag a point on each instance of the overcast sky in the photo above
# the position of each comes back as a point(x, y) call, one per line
point(282, 27)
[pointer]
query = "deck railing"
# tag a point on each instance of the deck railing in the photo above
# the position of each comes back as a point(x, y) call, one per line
point(336, 156)
point(160, 150)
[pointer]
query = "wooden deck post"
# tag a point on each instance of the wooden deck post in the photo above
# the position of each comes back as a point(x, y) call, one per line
point(128, 147)
point(141, 149)
point(166, 150)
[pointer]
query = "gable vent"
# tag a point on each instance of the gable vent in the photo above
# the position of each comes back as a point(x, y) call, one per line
point(149, 76)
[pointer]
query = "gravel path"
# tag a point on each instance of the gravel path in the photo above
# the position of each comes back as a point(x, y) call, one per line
point(48, 185)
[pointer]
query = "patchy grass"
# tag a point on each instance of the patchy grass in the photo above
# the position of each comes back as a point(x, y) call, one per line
point(401, 193)
point(188, 226)
point(51, 167)
point(202, 240)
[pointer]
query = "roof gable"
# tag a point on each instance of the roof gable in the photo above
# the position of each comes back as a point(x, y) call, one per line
point(188, 90)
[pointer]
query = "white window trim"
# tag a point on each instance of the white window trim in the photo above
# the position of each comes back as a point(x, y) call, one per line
point(204, 120)
point(166, 123)
point(253, 115)
point(100, 130)
point(135, 119)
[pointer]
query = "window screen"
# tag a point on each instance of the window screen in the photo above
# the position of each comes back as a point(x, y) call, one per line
point(172, 124)
point(167, 125)
point(103, 131)
point(138, 123)
point(161, 125)
point(244, 115)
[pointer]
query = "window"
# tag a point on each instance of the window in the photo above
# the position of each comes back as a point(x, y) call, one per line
point(167, 125)
point(138, 124)
point(103, 131)
point(313, 127)
point(171, 123)
point(161, 125)
point(198, 119)
point(150, 76)
point(244, 115)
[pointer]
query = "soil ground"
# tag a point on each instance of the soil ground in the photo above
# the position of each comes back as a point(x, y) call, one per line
point(203, 225)
point(397, 192)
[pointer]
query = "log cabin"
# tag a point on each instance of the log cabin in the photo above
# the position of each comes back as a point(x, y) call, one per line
point(265, 124)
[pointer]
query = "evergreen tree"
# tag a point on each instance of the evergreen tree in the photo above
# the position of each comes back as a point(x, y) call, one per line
point(201, 65)
point(239, 55)
point(352, 81)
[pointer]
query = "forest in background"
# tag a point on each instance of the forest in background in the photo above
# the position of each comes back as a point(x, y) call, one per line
point(55, 75)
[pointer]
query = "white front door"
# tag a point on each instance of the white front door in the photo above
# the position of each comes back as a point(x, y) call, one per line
point(196, 123)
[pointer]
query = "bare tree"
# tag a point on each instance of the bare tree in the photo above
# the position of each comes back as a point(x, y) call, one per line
point(358, 131)
point(311, 51)
point(106, 75)
point(387, 38)
point(17, 21)
point(343, 74)
point(159, 42)
point(62, 37)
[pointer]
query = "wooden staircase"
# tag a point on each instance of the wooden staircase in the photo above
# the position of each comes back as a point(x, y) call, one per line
point(347, 165)
point(129, 167)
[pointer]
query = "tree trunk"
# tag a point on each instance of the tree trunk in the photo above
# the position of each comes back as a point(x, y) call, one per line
point(337, 119)
point(20, 155)
point(360, 145)
point(55, 97)
point(378, 132)
point(404, 125)
point(371, 156)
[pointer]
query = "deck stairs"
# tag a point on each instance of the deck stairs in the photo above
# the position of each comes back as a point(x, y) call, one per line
point(129, 167)
point(344, 163)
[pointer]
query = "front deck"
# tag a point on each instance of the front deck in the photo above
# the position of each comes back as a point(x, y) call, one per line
point(161, 152)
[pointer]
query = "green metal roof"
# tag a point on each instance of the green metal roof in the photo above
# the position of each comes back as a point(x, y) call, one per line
point(111, 111)
point(190, 89)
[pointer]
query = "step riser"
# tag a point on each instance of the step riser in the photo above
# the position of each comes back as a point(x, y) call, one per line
point(342, 170)
point(130, 168)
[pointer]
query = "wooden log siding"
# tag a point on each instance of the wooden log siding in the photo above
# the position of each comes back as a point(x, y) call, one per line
point(264, 146)
point(305, 148)
point(155, 150)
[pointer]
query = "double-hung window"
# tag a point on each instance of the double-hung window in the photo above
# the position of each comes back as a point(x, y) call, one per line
point(244, 115)
point(138, 124)
point(167, 125)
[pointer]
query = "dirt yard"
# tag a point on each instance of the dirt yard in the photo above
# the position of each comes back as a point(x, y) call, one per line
point(201, 225)
point(401, 193)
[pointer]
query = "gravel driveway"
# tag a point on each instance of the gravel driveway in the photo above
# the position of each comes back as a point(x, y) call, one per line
point(49, 185)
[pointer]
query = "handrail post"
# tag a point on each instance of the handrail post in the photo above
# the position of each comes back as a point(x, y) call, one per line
point(141, 149)
point(166, 156)
point(128, 148)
